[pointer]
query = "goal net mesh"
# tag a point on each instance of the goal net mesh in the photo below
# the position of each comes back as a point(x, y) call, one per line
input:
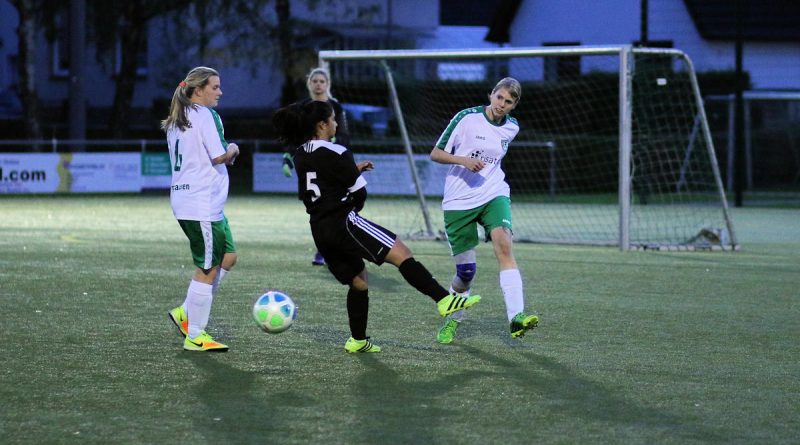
point(564, 165)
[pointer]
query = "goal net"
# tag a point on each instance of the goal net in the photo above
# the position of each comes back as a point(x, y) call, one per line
point(613, 149)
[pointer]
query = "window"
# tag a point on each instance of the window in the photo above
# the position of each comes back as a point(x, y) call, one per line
point(141, 58)
point(474, 72)
point(558, 68)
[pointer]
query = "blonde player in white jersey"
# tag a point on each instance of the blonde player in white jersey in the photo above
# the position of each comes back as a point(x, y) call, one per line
point(199, 154)
point(475, 192)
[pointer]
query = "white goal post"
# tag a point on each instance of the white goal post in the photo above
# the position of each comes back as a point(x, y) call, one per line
point(614, 146)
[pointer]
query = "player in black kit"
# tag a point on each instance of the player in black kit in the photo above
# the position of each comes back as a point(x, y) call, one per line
point(333, 190)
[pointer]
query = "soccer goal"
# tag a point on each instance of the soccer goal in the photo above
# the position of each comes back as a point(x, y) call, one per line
point(613, 149)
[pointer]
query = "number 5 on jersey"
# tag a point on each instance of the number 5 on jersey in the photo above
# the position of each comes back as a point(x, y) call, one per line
point(312, 187)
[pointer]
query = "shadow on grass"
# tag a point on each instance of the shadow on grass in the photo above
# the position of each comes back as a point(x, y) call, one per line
point(579, 398)
point(396, 410)
point(236, 406)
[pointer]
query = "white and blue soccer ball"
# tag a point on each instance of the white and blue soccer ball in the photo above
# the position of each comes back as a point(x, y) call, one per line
point(274, 311)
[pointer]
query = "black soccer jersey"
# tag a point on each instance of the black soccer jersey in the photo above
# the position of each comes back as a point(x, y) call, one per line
point(326, 177)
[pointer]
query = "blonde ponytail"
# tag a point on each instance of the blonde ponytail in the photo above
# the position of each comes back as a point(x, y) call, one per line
point(182, 97)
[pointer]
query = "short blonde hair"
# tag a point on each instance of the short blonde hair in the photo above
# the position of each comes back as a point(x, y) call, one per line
point(512, 85)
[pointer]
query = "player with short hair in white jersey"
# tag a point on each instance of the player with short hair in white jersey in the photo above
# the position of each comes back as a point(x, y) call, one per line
point(475, 192)
point(198, 155)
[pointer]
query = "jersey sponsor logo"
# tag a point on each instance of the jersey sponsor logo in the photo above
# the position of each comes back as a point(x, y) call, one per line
point(178, 187)
point(479, 137)
point(478, 154)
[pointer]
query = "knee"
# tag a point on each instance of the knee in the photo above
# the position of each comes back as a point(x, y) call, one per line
point(229, 260)
point(502, 239)
point(398, 254)
point(359, 283)
point(466, 272)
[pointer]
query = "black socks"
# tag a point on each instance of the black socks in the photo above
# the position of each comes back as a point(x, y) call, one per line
point(418, 276)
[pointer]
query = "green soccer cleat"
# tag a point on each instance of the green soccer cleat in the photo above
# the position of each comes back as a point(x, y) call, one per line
point(365, 345)
point(178, 316)
point(452, 303)
point(521, 323)
point(448, 332)
point(203, 342)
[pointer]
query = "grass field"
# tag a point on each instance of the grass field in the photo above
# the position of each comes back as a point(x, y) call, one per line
point(636, 347)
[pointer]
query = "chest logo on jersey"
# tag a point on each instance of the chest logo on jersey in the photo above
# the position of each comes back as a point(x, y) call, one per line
point(480, 138)
point(479, 154)
point(504, 144)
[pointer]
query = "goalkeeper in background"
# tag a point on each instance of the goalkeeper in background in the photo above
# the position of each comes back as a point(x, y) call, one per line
point(318, 84)
point(475, 192)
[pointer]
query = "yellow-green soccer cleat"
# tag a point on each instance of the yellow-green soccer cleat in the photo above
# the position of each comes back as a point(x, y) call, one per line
point(521, 323)
point(203, 342)
point(448, 332)
point(178, 316)
point(354, 345)
point(452, 303)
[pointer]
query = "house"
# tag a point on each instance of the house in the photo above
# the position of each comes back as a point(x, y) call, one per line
point(703, 29)
point(250, 81)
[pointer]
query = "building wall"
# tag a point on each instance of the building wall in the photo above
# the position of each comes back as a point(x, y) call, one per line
point(612, 22)
point(250, 85)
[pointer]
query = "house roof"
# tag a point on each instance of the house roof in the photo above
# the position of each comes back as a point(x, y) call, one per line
point(764, 20)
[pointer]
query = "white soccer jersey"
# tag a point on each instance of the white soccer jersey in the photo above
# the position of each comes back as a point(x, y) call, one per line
point(470, 133)
point(199, 189)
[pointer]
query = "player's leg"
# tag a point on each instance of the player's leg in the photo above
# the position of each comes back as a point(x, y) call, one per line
point(378, 245)
point(466, 267)
point(418, 276)
point(317, 259)
point(228, 259)
point(178, 314)
point(346, 265)
point(207, 243)
point(461, 229)
point(358, 315)
point(497, 221)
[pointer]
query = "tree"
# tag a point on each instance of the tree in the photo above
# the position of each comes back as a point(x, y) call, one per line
point(26, 67)
point(125, 24)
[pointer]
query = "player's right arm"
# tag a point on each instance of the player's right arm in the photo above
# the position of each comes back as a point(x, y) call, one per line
point(231, 153)
point(442, 157)
point(444, 150)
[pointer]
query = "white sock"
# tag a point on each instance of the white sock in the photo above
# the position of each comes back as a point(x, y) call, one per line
point(198, 307)
point(460, 314)
point(220, 275)
point(511, 284)
point(217, 281)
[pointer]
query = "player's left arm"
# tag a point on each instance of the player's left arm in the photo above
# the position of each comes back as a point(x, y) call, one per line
point(213, 135)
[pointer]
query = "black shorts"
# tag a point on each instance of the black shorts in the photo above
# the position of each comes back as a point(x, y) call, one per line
point(347, 241)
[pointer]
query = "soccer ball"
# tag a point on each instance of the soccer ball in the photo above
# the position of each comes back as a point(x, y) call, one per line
point(274, 311)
